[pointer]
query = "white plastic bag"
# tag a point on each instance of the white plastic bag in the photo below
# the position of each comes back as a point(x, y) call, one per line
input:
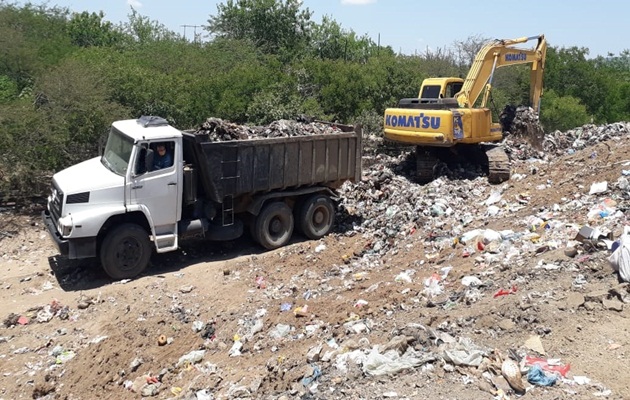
point(620, 258)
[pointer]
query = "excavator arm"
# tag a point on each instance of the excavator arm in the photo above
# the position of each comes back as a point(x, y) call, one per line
point(502, 53)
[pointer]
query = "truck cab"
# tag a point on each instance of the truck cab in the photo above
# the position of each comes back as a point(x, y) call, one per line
point(120, 190)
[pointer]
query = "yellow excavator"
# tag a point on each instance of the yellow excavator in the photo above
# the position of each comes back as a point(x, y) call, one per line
point(443, 122)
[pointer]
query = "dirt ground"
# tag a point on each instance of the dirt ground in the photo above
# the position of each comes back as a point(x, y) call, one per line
point(82, 336)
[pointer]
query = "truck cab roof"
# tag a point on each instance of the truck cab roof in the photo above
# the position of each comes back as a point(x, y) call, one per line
point(147, 128)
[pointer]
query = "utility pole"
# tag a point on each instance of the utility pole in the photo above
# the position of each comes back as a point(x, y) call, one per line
point(194, 32)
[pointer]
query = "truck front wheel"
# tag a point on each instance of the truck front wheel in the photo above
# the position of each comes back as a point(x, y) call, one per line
point(126, 251)
point(316, 216)
point(274, 225)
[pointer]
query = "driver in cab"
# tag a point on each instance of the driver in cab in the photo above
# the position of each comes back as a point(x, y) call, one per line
point(162, 158)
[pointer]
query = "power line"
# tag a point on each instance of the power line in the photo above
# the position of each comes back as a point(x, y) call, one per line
point(194, 32)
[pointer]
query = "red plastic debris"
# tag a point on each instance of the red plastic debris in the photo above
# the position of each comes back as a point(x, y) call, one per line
point(23, 320)
point(260, 282)
point(544, 364)
point(505, 292)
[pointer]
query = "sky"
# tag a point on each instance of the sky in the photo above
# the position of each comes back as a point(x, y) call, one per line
point(415, 26)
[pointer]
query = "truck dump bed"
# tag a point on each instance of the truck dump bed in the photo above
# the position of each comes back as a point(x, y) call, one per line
point(240, 167)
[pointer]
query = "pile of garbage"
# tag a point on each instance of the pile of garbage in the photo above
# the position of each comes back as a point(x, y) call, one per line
point(522, 122)
point(558, 143)
point(220, 130)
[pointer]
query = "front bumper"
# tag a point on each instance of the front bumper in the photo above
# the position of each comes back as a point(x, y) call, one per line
point(72, 248)
point(62, 244)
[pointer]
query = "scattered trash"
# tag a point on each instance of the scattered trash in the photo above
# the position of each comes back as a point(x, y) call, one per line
point(550, 365)
point(315, 373)
point(280, 331)
point(65, 356)
point(536, 376)
point(463, 352)
point(191, 358)
point(235, 351)
point(360, 303)
point(620, 258)
point(197, 326)
point(512, 373)
point(535, 344)
point(471, 281)
point(301, 311)
point(505, 292)
point(260, 282)
point(391, 362)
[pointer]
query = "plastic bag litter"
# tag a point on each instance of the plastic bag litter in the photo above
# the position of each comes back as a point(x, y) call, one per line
point(193, 357)
point(390, 362)
point(536, 376)
point(598, 187)
point(356, 356)
point(620, 258)
point(464, 352)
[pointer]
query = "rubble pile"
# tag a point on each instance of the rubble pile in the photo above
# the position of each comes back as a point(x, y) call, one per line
point(525, 137)
point(220, 130)
point(558, 143)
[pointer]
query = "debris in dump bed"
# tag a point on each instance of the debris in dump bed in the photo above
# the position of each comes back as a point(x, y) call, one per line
point(220, 130)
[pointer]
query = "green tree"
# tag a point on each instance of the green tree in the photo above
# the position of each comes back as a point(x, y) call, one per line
point(273, 25)
point(562, 112)
point(141, 29)
point(32, 39)
point(330, 41)
point(88, 29)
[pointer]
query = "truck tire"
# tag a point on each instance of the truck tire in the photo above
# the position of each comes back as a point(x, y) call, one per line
point(274, 225)
point(316, 216)
point(126, 251)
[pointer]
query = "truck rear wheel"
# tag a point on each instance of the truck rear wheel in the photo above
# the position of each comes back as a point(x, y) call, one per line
point(126, 251)
point(274, 225)
point(316, 216)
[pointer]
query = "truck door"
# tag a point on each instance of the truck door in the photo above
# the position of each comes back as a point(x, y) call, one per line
point(156, 189)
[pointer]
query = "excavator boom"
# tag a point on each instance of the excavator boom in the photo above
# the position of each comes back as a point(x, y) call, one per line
point(501, 53)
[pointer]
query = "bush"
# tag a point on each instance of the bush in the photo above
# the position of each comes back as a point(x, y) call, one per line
point(562, 113)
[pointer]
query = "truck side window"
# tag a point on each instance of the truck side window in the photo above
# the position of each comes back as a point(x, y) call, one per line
point(163, 155)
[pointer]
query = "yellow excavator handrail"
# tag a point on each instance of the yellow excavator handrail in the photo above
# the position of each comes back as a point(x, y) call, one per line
point(501, 53)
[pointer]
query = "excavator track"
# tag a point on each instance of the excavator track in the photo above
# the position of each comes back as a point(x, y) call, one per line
point(426, 159)
point(498, 164)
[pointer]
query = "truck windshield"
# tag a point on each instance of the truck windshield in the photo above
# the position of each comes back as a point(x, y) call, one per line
point(117, 152)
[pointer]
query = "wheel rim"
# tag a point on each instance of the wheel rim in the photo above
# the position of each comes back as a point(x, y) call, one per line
point(320, 218)
point(275, 226)
point(128, 253)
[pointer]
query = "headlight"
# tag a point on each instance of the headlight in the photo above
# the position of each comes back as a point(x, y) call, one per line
point(64, 225)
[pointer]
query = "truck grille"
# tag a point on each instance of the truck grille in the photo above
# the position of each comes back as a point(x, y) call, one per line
point(56, 202)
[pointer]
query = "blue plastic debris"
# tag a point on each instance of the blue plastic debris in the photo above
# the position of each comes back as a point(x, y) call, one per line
point(536, 376)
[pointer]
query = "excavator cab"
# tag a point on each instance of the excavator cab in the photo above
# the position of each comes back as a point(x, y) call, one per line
point(433, 89)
